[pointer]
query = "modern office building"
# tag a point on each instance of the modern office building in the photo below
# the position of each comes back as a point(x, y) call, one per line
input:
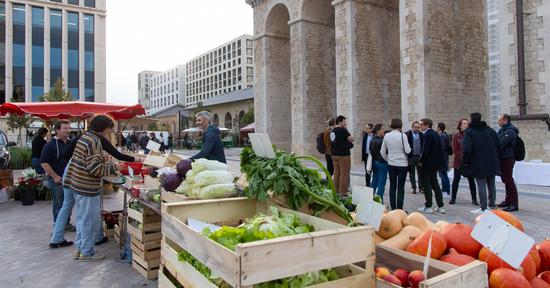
point(226, 68)
point(41, 41)
point(144, 88)
point(167, 89)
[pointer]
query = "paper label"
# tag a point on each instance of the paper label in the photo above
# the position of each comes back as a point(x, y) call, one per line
point(369, 212)
point(503, 239)
point(357, 191)
point(428, 256)
point(153, 146)
point(262, 145)
point(198, 225)
point(130, 171)
point(128, 182)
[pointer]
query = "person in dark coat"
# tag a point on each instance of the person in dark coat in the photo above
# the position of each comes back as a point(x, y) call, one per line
point(415, 138)
point(38, 142)
point(458, 140)
point(480, 159)
point(365, 147)
point(507, 136)
point(431, 160)
point(212, 146)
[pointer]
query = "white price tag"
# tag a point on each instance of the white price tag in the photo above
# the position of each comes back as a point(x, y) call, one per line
point(503, 239)
point(198, 225)
point(357, 191)
point(130, 171)
point(428, 256)
point(369, 212)
point(153, 146)
point(262, 145)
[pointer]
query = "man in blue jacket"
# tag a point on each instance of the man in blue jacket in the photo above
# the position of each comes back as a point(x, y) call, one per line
point(212, 146)
point(507, 136)
point(431, 160)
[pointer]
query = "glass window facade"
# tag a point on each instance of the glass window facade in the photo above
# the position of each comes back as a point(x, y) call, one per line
point(89, 3)
point(37, 53)
point(2, 52)
point(74, 2)
point(89, 77)
point(18, 31)
point(72, 57)
point(55, 45)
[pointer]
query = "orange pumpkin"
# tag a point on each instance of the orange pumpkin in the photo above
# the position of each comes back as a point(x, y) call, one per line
point(545, 276)
point(456, 258)
point(507, 278)
point(420, 245)
point(494, 262)
point(536, 258)
point(544, 253)
point(508, 217)
point(458, 237)
point(539, 283)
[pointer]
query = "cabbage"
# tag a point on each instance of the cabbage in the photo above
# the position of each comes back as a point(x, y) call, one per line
point(217, 191)
point(204, 165)
point(184, 188)
point(206, 178)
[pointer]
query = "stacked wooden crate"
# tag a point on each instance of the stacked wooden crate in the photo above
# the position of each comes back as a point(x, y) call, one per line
point(116, 230)
point(144, 228)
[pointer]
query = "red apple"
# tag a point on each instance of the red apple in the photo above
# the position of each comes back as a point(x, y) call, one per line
point(381, 272)
point(392, 279)
point(415, 277)
point(403, 276)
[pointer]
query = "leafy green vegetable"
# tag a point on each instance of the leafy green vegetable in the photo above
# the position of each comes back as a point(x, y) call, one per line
point(284, 175)
point(156, 198)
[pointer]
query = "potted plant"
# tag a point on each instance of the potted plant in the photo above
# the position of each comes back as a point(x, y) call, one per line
point(29, 188)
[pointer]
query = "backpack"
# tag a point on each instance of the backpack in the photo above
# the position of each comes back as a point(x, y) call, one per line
point(519, 149)
point(321, 143)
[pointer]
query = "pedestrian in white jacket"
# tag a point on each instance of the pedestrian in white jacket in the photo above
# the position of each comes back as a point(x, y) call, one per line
point(395, 148)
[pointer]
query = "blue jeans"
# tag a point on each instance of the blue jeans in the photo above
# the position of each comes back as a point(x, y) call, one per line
point(445, 184)
point(398, 175)
point(380, 175)
point(35, 164)
point(63, 216)
point(87, 227)
point(57, 197)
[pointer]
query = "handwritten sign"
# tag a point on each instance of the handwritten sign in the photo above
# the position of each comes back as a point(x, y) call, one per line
point(153, 146)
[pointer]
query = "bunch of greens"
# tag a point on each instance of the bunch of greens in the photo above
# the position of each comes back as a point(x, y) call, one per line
point(284, 175)
point(136, 205)
point(261, 227)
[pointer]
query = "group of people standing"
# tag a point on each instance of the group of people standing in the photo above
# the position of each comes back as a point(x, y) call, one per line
point(479, 154)
point(139, 140)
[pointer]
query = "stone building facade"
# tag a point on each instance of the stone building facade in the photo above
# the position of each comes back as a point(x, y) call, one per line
point(370, 60)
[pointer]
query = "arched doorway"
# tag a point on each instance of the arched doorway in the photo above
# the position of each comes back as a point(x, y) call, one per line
point(228, 121)
point(216, 120)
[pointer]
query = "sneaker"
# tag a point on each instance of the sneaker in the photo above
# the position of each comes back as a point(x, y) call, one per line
point(104, 240)
point(446, 195)
point(492, 207)
point(91, 258)
point(503, 204)
point(474, 202)
point(65, 243)
point(440, 210)
point(477, 211)
point(426, 210)
point(452, 202)
point(76, 254)
point(70, 228)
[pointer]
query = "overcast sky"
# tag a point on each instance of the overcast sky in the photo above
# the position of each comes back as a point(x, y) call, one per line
point(159, 34)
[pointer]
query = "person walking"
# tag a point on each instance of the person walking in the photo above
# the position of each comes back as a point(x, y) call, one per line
point(507, 136)
point(458, 148)
point(328, 145)
point(379, 164)
point(415, 139)
point(143, 140)
point(170, 142)
point(161, 142)
point(367, 137)
point(38, 143)
point(53, 161)
point(431, 161)
point(443, 173)
point(342, 142)
point(212, 146)
point(481, 159)
point(135, 142)
point(83, 178)
point(395, 148)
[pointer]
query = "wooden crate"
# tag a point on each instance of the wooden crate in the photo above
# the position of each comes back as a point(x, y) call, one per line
point(147, 216)
point(440, 274)
point(146, 250)
point(170, 197)
point(116, 233)
point(351, 276)
point(148, 269)
point(332, 245)
point(163, 281)
point(148, 232)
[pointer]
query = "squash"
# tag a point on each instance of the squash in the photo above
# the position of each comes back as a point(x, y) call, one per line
point(378, 239)
point(420, 221)
point(420, 245)
point(402, 240)
point(439, 225)
point(390, 224)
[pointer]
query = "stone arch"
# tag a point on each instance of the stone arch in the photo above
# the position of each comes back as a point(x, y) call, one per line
point(216, 120)
point(228, 121)
point(241, 115)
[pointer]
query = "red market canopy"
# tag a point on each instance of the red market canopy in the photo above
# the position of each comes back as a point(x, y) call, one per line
point(249, 128)
point(72, 109)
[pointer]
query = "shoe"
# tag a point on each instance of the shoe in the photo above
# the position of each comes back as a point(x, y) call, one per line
point(76, 254)
point(414, 191)
point(70, 228)
point(477, 211)
point(421, 190)
point(446, 195)
point(511, 208)
point(92, 258)
point(492, 207)
point(426, 210)
point(65, 243)
point(502, 205)
point(104, 240)
point(474, 202)
point(452, 202)
point(440, 210)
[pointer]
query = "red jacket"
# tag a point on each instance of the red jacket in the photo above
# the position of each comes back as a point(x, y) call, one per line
point(458, 149)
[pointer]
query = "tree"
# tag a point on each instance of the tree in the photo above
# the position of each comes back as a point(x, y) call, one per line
point(19, 122)
point(249, 115)
point(57, 93)
point(152, 127)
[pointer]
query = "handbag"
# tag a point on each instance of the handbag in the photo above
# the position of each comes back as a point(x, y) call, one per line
point(369, 164)
point(410, 160)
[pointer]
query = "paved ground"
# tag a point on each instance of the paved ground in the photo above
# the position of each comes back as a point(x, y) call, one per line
point(28, 262)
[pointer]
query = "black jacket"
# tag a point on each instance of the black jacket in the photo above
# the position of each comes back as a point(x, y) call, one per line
point(507, 137)
point(481, 151)
point(410, 138)
point(364, 152)
point(375, 147)
point(432, 156)
point(212, 146)
point(105, 144)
